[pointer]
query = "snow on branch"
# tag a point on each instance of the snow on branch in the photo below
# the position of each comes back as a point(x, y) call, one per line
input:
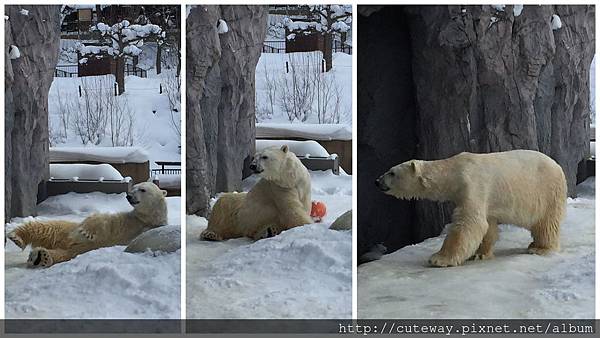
point(323, 19)
point(122, 39)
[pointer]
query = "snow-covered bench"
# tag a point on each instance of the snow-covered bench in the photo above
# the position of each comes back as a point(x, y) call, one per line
point(85, 178)
point(310, 153)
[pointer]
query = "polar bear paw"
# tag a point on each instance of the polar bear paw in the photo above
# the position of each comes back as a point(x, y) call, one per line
point(439, 260)
point(482, 256)
point(16, 239)
point(268, 232)
point(536, 250)
point(208, 235)
point(39, 257)
point(88, 235)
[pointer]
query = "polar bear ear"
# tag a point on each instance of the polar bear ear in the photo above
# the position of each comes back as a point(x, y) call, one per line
point(164, 192)
point(416, 168)
point(284, 148)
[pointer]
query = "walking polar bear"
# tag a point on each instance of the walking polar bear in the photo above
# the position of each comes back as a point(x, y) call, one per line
point(521, 187)
point(58, 241)
point(279, 201)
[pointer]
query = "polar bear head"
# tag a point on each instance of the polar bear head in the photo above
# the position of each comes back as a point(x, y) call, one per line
point(148, 201)
point(405, 181)
point(278, 165)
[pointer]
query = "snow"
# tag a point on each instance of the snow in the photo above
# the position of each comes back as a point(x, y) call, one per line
point(305, 272)
point(222, 27)
point(99, 154)
point(154, 136)
point(556, 23)
point(14, 52)
point(104, 283)
point(300, 148)
point(325, 132)
point(512, 285)
point(24, 12)
point(517, 9)
point(499, 8)
point(271, 77)
point(84, 171)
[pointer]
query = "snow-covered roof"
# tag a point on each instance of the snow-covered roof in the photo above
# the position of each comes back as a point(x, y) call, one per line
point(79, 171)
point(99, 154)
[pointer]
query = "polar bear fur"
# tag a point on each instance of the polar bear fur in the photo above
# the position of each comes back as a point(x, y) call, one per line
point(58, 241)
point(279, 201)
point(521, 187)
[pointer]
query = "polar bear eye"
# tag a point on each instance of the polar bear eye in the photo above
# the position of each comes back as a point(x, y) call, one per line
point(143, 190)
point(264, 157)
point(392, 173)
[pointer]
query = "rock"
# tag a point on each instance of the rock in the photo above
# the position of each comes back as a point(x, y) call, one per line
point(164, 239)
point(220, 98)
point(27, 83)
point(344, 222)
point(476, 80)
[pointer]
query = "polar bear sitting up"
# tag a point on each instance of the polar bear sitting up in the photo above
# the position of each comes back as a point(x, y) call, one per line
point(521, 187)
point(58, 241)
point(279, 201)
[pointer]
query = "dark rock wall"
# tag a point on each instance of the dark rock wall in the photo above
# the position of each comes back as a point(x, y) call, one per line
point(483, 81)
point(220, 98)
point(27, 82)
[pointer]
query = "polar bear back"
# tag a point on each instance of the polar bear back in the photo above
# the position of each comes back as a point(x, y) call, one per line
point(518, 186)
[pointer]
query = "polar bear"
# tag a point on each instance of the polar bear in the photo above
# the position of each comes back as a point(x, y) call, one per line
point(58, 241)
point(521, 187)
point(279, 201)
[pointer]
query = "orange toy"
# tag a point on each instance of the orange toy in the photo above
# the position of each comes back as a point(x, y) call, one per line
point(318, 211)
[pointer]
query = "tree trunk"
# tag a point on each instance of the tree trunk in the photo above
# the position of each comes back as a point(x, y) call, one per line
point(328, 51)
point(220, 99)
point(27, 83)
point(120, 75)
point(158, 57)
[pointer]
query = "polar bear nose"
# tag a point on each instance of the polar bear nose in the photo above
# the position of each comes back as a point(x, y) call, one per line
point(252, 166)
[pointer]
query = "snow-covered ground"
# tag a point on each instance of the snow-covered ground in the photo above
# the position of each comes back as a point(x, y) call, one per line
point(512, 285)
point(305, 272)
point(103, 283)
point(271, 69)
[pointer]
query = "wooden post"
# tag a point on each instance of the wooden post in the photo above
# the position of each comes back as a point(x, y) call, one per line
point(79, 90)
point(116, 89)
point(287, 67)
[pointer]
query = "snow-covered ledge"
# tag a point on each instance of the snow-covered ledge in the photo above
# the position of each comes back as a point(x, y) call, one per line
point(99, 154)
point(319, 132)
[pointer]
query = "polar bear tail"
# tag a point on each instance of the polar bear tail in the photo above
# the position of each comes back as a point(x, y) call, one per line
point(46, 234)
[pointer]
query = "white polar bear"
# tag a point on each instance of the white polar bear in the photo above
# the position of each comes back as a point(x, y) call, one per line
point(58, 241)
point(279, 201)
point(521, 187)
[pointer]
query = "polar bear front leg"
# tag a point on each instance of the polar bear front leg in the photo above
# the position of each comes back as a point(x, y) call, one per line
point(209, 235)
point(486, 248)
point(463, 239)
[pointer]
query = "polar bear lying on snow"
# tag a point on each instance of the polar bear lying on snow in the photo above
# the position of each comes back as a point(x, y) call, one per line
point(521, 187)
point(58, 241)
point(279, 201)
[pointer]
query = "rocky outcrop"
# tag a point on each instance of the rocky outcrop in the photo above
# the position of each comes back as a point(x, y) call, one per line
point(220, 98)
point(36, 34)
point(483, 80)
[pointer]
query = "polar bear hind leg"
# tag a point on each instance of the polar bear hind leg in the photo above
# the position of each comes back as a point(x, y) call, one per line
point(546, 237)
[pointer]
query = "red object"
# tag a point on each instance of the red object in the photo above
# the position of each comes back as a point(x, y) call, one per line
point(318, 211)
